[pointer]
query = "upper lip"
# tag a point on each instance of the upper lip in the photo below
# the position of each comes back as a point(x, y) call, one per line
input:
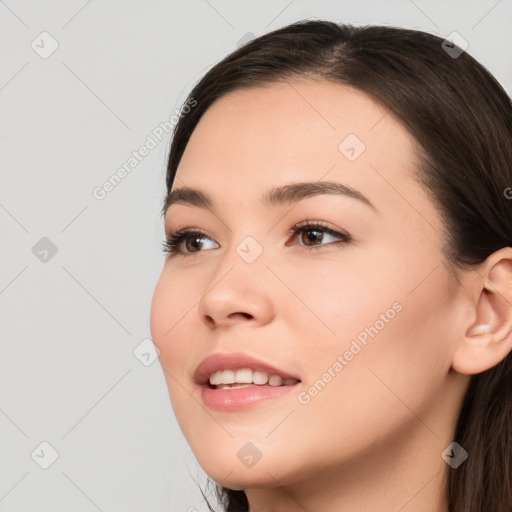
point(235, 361)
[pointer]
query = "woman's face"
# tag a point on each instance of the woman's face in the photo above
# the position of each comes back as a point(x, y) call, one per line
point(364, 324)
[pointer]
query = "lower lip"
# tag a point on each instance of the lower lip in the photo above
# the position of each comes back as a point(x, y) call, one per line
point(242, 398)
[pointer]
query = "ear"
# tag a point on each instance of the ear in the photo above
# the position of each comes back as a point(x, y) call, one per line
point(487, 339)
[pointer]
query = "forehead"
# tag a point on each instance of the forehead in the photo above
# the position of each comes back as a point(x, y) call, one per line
point(284, 115)
point(257, 138)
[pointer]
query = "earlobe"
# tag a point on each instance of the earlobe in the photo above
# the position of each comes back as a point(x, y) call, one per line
point(488, 340)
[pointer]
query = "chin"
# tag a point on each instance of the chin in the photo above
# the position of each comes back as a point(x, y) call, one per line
point(241, 479)
point(234, 474)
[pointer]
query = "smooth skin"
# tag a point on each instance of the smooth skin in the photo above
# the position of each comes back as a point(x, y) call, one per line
point(372, 438)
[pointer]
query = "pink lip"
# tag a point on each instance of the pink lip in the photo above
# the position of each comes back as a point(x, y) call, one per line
point(241, 398)
point(236, 361)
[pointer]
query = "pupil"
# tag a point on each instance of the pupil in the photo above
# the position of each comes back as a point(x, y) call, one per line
point(195, 243)
point(312, 238)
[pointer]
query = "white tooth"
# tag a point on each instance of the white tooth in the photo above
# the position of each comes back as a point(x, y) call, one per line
point(243, 376)
point(216, 378)
point(275, 380)
point(247, 376)
point(260, 378)
point(228, 377)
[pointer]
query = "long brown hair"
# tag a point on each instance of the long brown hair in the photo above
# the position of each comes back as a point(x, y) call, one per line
point(461, 119)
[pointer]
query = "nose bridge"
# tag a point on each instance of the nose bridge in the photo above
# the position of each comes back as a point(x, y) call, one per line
point(250, 249)
point(245, 258)
point(246, 238)
point(236, 284)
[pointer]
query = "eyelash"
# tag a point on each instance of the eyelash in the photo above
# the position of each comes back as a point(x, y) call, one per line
point(172, 243)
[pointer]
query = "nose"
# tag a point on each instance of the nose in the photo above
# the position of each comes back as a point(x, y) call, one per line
point(238, 294)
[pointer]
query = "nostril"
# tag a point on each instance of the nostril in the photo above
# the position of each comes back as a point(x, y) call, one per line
point(245, 315)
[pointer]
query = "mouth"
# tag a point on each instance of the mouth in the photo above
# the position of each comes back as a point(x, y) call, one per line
point(236, 382)
point(236, 370)
point(247, 377)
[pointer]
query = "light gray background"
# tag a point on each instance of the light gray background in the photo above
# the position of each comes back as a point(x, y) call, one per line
point(70, 325)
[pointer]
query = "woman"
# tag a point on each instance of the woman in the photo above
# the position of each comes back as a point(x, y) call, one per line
point(334, 313)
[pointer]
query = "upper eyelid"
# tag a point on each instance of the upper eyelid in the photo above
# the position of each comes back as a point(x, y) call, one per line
point(297, 225)
point(342, 234)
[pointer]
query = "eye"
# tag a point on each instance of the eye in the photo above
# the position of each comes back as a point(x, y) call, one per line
point(317, 228)
point(173, 242)
point(315, 233)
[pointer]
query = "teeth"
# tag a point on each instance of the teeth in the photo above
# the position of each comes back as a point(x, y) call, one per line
point(259, 378)
point(216, 378)
point(275, 380)
point(232, 386)
point(245, 377)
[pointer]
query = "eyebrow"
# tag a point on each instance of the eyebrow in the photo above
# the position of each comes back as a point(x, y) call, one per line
point(277, 196)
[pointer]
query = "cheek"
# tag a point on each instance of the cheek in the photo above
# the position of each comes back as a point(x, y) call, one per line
point(170, 332)
point(173, 299)
point(333, 301)
point(170, 310)
point(161, 305)
point(396, 352)
point(372, 331)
